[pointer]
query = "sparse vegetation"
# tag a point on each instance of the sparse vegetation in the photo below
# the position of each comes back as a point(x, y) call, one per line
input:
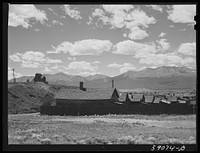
point(110, 129)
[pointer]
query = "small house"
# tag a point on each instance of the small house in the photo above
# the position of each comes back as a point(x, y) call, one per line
point(172, 99)
point(137, 98)
point(156, 100)
point(149, 99)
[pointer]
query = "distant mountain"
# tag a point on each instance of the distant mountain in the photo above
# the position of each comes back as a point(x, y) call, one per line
point(164, 77)
point(164, 71)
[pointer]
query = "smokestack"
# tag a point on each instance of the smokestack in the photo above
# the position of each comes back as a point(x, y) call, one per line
point(81, 85)
point(112, 83)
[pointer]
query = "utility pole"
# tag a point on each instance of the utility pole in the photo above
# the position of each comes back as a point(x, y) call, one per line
point(14, 76)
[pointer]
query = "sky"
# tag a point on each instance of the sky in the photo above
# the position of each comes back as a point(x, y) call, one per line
point(99, 39)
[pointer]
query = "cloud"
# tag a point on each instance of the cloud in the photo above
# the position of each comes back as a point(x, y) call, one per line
point(73, 13)
point(164, 45)
point(166, 59)
point(56, 22)
point(152, 54)
point(162, 34)
point(20, 15)
point(156, 7)
point(83, 47)
point(122, 67)
point(96, 62)
point(129, 47)
point(10, 74)
point(182, 13)
point(71, 58)
point(126, 17)
point(31, 59)
point(81, 66)
point(137, 34)
point(114, 65)
point(187, 49)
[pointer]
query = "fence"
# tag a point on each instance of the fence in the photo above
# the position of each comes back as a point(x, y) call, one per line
point(153, 109)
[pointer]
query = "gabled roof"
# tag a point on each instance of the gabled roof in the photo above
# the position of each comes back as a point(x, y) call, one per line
point(171, 98)
point(182, 101)
point(157, 100)
point(165, 101)
point(136, 97)
point(149, 99)
point(90, 93)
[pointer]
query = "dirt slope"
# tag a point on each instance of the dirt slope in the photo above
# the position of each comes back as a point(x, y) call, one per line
point(26, 97)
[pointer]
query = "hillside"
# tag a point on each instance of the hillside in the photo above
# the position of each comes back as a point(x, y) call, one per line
point(26, 98)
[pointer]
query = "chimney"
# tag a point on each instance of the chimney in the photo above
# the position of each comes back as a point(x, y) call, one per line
point(112, 83)
point(81, 85)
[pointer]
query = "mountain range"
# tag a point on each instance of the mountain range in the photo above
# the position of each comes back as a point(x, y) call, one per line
point(164, 77)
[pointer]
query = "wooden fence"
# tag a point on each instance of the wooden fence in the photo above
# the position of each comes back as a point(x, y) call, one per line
point(153, 109)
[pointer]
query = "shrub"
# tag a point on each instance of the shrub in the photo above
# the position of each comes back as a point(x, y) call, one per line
point(47, 100)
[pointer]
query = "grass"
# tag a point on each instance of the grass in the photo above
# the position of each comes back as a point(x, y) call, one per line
point(36, 129)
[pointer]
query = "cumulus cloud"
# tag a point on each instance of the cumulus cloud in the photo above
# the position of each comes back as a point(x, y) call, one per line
point(20, 15)
point(156, 7)
point(187, 49)
point(155, 55)
point(136, 33)
point(182, 13)
point(166, 59)
point(126, 17)
point(129, 47)
point(56, 22)
point(84, 47)
point(33, 59)
point(96, 62)
point(164, 45)
point(71, 58)
point(162, 34)
point(73, 13)
point(122, 67)
point(10, 74)
point(81, 66)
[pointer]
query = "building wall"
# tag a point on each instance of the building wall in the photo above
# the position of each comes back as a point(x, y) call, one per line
point(116, 109)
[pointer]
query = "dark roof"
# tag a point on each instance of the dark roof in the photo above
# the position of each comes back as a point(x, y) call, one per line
point(90, 93)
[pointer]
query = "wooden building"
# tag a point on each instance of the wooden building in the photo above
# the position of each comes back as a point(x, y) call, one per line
point(88, 96)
